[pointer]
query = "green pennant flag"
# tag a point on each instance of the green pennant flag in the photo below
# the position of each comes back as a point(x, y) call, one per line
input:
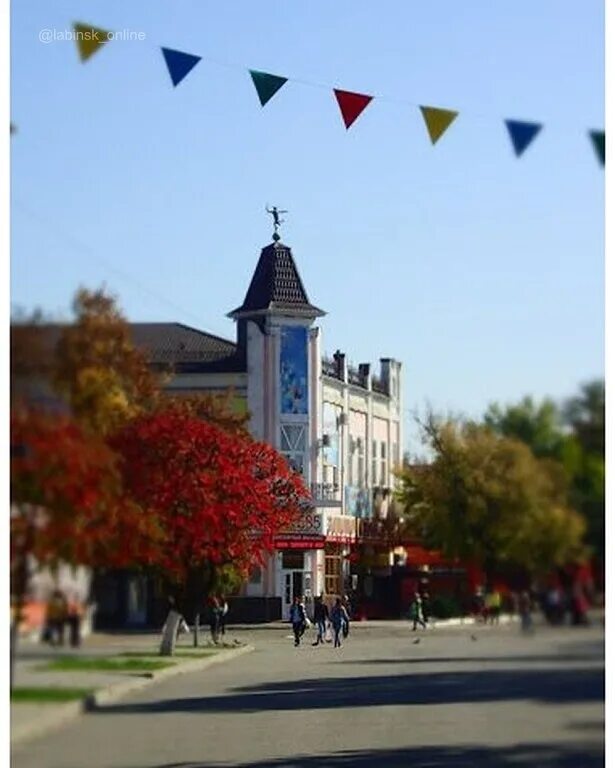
point(437, 121)
point(89, 39)
point(597, 139)
point(266, 85)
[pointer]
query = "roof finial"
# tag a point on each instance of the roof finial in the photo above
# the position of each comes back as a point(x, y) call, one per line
point(277, 221)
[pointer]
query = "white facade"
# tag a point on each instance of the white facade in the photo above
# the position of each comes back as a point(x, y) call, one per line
point(340, 427)
point(346, 444)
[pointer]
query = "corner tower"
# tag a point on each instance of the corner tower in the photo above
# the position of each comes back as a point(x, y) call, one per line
point(281, 349)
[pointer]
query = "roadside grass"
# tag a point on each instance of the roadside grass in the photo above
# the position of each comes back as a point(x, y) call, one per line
point(111, 664)
point(184, 653)
point(33, 695)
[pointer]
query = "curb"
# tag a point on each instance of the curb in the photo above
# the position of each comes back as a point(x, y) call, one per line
point(97, 700)
point(471, 621)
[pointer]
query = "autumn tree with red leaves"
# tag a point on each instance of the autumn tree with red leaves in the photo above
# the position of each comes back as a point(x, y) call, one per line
point(218, 498)
point(64, 502)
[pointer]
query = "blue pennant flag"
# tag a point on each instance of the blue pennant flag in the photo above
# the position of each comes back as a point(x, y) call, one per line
point(522, 134)
point(179, 63)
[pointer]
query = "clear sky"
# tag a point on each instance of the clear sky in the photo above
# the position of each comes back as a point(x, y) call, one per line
point(481, 272)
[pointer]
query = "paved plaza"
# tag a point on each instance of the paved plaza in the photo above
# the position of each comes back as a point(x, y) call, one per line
point(462, 696)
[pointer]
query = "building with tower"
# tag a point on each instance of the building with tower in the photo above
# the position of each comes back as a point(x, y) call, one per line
point(340, 426)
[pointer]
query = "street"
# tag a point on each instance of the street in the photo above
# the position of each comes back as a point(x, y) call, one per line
point(462, 696)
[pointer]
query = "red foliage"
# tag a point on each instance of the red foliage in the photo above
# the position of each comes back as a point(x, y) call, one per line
point(65, 496)
point(218, 498)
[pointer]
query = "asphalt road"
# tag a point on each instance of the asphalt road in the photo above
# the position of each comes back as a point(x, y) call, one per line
point(500, 700)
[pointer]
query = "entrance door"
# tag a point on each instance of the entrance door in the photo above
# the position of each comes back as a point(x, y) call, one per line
point(292, 587)
point(137, 601)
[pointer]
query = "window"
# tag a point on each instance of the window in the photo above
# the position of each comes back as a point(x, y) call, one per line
point(333, 572)
point(374, 462)
point(293, 445)
point(351, 451)
point(383, 465)
point(394, 457)
point(361, 464)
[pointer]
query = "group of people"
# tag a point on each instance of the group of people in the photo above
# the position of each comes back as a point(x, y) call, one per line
point(63, 611)
point(336, 620)
point(488, 606)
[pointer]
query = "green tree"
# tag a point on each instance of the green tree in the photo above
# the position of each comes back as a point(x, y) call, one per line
point(584, 415)
point(538, 425)
point(573, 435)
point(488, 499)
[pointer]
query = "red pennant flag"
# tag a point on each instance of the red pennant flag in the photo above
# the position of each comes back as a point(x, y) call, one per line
point(351, 105)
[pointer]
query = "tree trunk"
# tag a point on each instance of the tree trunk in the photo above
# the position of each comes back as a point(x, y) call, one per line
point(169, 637)
point(195, 637)
point(14, 640)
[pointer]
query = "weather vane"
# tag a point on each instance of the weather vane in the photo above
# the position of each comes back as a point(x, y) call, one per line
point(277, 221)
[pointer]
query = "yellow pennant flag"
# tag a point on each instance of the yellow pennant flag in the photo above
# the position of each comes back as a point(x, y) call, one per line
point(437, 121)
point(89, 39)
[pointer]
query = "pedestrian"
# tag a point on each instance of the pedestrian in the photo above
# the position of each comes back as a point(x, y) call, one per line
point(74, 616)
point(525, 610)
point(215, 614)
point(346, 626)
point(339, 617)
point(298, 619)
point(56, 618)
point(416, 612)
point(223, 614)
point(495, 606)
point(321, 616)
point(426, 607)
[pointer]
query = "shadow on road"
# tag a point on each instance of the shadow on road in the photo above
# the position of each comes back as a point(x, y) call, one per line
point(475, 659)
point(518, 756)
point(548, 686)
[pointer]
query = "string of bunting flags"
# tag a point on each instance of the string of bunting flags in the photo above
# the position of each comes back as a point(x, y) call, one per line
point(351, 105)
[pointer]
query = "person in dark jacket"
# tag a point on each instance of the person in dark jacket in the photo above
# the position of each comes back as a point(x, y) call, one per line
point(321, 616)
point(339, 617)
point(298, 619)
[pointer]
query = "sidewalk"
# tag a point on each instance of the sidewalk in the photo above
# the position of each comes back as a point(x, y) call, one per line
point(29, 720)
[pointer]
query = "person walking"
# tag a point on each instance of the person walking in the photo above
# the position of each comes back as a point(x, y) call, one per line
point(425, 607)
point(56, 618)
point(214, 618)
point(74, 615)
point(321, 616)
point(525, 611)
point(416, 612)
point(339, 617)
point(223, 614)
point(298, 619)
point(348, 606)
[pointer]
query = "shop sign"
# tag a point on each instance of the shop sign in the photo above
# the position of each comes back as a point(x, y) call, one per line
point(299, 542)
point(310, 523)
point(341, 527)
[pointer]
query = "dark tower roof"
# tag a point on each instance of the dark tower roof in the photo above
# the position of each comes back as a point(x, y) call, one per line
point(276, 287)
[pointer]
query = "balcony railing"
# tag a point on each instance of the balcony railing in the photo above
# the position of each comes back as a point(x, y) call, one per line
point(330, 368)
point(379, 386)
point(325, 494)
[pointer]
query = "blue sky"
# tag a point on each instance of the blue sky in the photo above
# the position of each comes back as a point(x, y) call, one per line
point(481, 272)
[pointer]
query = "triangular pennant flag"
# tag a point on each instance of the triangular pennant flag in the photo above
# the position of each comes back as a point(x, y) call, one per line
point(522, 134)
point(437, 121)
point(266, 85)
point(89, 39)
point(179, 63)
point(351, 105)
point(597, 139)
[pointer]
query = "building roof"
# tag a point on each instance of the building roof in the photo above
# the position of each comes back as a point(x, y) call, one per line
point(276, 286)
point(184, 348)
point(178, 343)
